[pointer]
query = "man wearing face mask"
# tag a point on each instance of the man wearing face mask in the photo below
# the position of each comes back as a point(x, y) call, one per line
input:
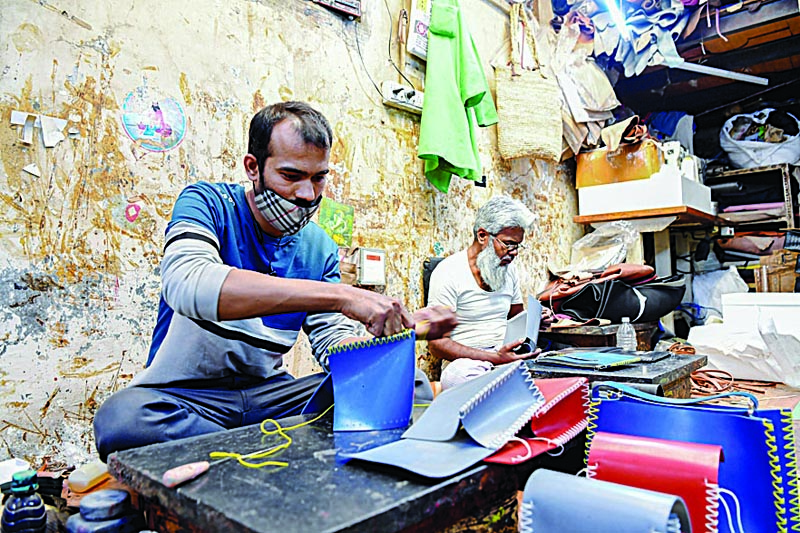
point(482, 285)
point(243, 272)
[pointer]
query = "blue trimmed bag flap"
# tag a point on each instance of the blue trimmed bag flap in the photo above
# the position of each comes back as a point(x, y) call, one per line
point(373, 383)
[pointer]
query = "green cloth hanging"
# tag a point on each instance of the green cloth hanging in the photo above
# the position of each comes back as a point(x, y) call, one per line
point(457, 99)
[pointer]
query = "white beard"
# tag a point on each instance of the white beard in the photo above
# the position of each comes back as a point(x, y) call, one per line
point(492, 272)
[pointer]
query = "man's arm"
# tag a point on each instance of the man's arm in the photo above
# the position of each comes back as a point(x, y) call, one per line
point(515, 310)
point(450, 350)
point(197, 284)
point(248, 294)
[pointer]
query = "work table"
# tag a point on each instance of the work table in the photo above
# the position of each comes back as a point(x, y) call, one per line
point(317, 491)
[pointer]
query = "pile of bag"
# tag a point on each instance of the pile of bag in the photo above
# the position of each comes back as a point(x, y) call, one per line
point(621, 290)
point(767, 137)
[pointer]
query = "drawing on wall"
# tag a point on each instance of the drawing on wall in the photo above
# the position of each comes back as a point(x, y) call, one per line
point(126, 210)
point(132, 212)
point(337, 221)
point(156, 125)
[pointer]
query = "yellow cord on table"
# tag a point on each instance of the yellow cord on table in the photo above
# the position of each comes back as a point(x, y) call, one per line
point(243, 458)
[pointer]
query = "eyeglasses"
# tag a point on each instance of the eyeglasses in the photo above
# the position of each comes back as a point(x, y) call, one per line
point(509, 246)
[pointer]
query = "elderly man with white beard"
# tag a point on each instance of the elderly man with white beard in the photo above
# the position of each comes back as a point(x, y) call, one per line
point(482, 286)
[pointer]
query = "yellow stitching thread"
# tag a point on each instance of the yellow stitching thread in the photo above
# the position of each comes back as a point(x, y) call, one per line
point(791, 464)
point(375, 341)
point(592, 414)
point(243, 458)
point(775, 472)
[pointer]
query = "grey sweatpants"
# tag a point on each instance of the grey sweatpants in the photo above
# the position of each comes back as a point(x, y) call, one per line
point(138, 416)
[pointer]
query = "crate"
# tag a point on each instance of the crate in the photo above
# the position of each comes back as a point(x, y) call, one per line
point(778, 272)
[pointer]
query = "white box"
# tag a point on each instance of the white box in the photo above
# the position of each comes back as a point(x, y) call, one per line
point(371, 266)
point(741, 311)
point(665, 188)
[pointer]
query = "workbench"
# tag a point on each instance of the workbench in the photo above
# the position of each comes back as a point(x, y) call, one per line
point(598, 336)
point(672, 375)
point(317, 491)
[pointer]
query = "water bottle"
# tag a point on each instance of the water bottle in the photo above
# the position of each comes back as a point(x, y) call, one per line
point(24, 511)
point(626, 335)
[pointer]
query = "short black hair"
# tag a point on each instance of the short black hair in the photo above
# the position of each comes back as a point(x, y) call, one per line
point(312, 126)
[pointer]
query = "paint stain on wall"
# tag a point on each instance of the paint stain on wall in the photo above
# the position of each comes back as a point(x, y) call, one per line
point(27, 38)
point(258, 101)
point(185, 90)
point(67, 216)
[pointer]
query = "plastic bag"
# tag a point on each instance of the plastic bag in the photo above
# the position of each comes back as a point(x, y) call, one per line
point(708, 288)
point(752, 153)
point(607, 245)
point(761, 353)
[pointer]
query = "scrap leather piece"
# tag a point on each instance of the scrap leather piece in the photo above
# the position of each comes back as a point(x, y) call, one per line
point(373, 383)
point(554, 502)
point(558, 420)
point(686, 469)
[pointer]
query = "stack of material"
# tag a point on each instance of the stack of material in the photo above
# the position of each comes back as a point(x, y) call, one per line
point(106, 511)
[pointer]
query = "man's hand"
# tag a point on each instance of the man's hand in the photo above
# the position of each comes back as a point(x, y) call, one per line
point(506, 353)
point(381, 315)
point(434, 322)
point(547, 316)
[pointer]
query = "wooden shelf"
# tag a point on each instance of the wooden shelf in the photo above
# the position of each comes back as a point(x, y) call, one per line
point(686, 215)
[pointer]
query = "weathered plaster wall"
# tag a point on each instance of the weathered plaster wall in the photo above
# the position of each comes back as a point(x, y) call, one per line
point(79, 279)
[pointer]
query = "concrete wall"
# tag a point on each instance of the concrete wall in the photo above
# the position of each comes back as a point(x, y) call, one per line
point(80, 244)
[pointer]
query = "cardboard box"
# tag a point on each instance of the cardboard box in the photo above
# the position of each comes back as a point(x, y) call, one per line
point(665, 188)
point(777, 272)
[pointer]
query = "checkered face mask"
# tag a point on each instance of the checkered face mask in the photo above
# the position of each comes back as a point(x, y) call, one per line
point(284, 215)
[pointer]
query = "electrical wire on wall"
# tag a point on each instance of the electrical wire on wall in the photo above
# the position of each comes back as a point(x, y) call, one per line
point(361, 57)
point(389, 51)
point(403, 13)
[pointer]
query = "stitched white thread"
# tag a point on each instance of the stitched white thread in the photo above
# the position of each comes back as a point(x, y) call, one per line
point(546, 407)
point(591, 470)
point(674, 524)
point(500, 439)
point(479, 396)
point(553, 452)
point(512, 429)
point(528, 453)
point(526, 517)
point(571, 433)
point(712, 506)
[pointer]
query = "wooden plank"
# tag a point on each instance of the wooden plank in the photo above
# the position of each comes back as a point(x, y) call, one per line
point(685, 214)
point(767, 12)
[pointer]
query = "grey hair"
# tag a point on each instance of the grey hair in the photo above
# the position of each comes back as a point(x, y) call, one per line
point(502, 212)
